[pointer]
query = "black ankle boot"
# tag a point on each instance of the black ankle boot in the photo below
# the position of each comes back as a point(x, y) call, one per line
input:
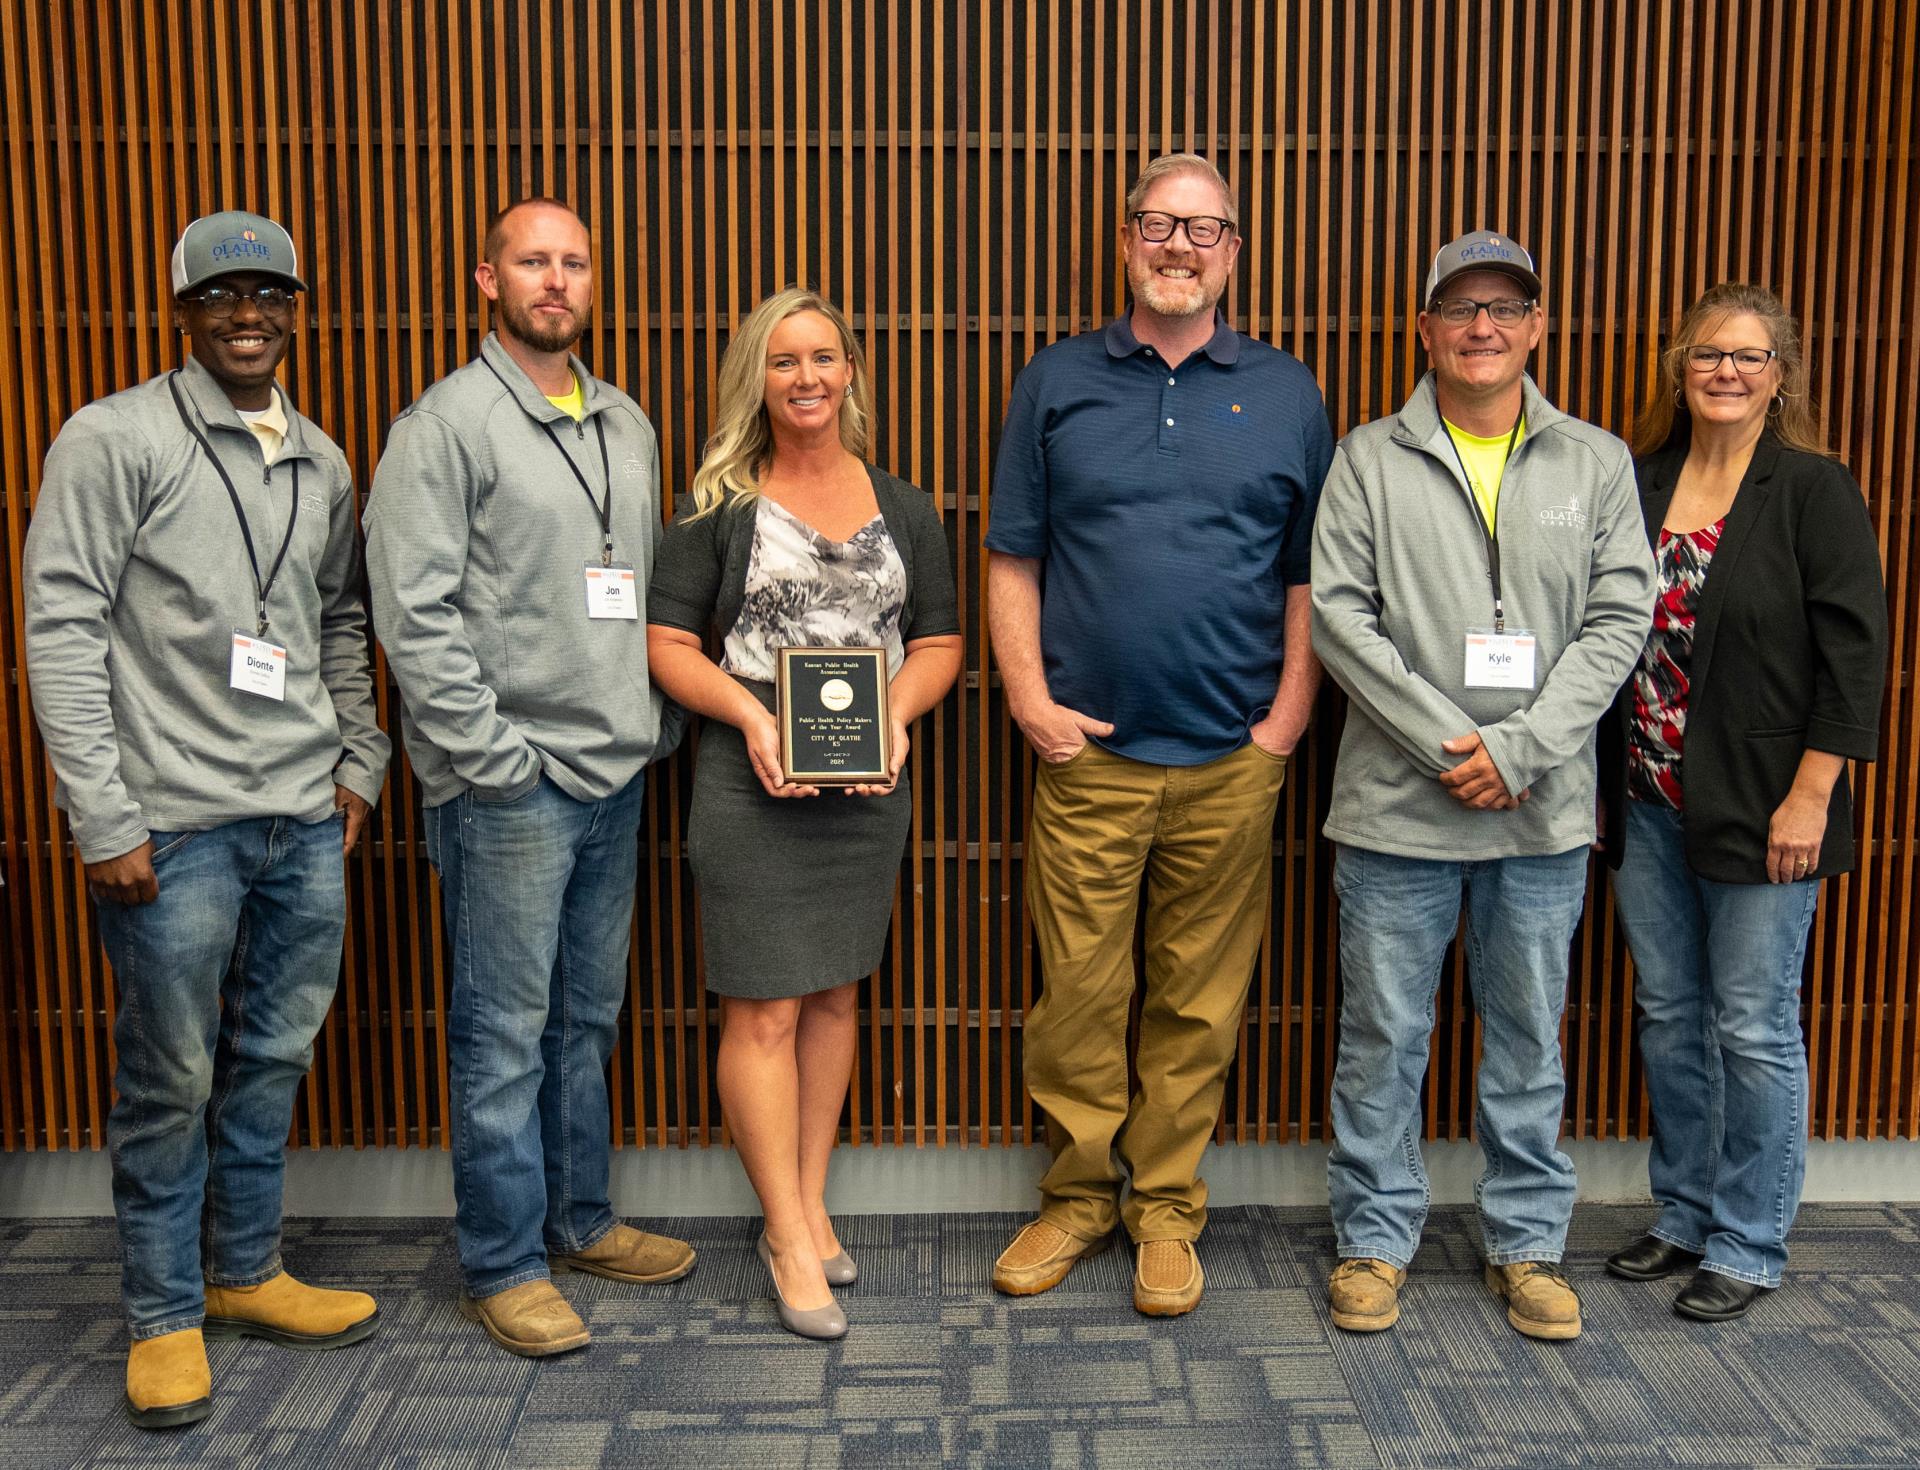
point(1711, 1297)
point(1649, 1258)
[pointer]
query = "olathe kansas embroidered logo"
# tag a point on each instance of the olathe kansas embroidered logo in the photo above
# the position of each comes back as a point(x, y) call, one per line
point(1569, 515)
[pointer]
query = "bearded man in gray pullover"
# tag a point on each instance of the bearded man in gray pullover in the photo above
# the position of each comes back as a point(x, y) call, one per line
point(510, 536)
point(197, 649)
point(1481, 587)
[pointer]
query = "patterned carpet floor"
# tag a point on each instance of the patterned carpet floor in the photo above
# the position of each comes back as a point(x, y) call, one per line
point(938, 1368)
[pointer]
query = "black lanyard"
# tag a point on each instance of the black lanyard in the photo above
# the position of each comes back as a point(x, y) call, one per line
point(603, 506)
point(1489, 533)
point(261, 590)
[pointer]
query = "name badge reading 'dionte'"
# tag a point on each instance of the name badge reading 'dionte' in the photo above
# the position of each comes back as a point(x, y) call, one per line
point(1502, 660)
point(612, 592)
point(833, 715)
point(257, 666)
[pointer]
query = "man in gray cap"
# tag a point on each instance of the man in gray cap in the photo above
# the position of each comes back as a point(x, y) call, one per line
point(1481, 587)
point(197, 647)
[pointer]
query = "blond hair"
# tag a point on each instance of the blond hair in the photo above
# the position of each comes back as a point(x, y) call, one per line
point(741, 445)
point(1181, 163)
point(1793, 419)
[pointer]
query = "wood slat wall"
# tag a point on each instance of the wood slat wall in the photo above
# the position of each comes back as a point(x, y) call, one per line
point(952, 173)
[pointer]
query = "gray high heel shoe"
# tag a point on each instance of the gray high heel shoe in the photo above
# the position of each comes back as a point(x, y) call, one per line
point(825, 1323)
point(840, 1270)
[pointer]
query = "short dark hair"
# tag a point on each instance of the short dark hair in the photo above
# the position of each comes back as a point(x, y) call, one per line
point(490, 246)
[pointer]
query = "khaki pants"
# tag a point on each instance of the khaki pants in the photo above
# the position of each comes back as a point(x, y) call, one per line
point(1202, 837)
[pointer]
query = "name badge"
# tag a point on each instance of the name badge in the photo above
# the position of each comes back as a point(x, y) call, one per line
point(612, 592)
point(257, 666)
point(1500, 660)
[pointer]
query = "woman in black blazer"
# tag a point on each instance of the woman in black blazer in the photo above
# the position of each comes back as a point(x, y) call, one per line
point(1725, 778)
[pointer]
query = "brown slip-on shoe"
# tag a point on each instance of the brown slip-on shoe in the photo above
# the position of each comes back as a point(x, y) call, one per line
point(291, 1313)
point(531, 1319)
point(168, 1382)
point(626, 1254)
point(1040, 1257)
point(1167, 1279)
point(1541, 1302)
point(1365, 1294)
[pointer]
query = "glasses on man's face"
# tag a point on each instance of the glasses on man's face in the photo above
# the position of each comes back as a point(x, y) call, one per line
point(1749, 360)
point(1457, 311)
point(220, 302)
point(1202, 229)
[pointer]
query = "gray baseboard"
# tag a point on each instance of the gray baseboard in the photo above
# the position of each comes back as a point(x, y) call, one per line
point(669, 1182)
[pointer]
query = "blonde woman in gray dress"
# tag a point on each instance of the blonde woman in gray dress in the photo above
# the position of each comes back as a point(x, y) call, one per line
point(791, 538)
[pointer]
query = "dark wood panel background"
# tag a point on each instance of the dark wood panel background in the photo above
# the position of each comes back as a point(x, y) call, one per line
point(952, 173)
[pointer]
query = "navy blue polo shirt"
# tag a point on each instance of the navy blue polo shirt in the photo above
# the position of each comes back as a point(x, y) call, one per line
point(1172, 508)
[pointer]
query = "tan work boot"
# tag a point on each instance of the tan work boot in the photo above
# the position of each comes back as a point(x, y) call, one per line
point(531, 1319)
point(168, 1382)
point(1541, 1302)
point(1365, 1294)
point(1167, 1279)
point(291, 1313)
point(626, 1254)
point(1040, 1257)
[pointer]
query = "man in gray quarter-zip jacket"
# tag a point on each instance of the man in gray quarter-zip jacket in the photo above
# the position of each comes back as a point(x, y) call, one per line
point(1481, 588)
point(510, 534)
point(197, 649)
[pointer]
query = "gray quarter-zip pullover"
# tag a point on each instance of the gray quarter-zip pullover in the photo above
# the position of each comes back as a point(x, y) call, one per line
point(479, 533)
point(1401, 572)
point(137, 578)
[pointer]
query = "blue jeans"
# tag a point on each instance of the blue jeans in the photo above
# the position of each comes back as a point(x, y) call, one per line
point(538, 895)
point(1397, 915)
point(1719, 998)
point(223, 981)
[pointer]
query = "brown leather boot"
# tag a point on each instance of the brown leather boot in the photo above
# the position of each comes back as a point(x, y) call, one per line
point(626, 1254)
point(1365, 1294)
point(1541, 1302)
point(531, 1319)
point(291, 1313)
point(168, 1382)
point(1040, 1257)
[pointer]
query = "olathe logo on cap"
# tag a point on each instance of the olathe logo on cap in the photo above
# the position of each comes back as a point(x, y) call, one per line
point(245, 246)
point(1494, 249)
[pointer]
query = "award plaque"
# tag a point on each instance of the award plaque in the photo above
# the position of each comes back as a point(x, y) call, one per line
point(833, 716)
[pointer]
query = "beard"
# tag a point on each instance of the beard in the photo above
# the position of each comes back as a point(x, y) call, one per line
point(1164, 299)
point(541, 333)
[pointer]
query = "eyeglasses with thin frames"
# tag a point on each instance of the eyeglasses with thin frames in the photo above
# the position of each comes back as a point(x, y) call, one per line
point(1457, 311)
point(1747, 360)
point(220, 302)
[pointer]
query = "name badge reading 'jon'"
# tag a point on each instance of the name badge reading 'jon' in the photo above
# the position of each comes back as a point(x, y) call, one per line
point(1502, 660)
point(612, 592)
point(257, 666)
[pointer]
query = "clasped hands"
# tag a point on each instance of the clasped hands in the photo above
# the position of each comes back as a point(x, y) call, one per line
point(1476, 782)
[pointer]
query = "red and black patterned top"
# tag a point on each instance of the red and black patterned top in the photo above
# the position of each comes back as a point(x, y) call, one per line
point(1659, 726)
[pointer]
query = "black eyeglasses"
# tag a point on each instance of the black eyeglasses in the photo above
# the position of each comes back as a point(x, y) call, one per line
point(1457, 311)
point(1748, 360)
point(1202, 230)
point(221, 302)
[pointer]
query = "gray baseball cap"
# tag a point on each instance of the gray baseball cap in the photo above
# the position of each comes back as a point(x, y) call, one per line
point(233, 240)
point(1482, 250)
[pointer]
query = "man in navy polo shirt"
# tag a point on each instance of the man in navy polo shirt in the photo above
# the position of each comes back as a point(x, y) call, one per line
point(1151, 525)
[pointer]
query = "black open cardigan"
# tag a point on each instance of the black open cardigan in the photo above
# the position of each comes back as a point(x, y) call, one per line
point(1789, 655)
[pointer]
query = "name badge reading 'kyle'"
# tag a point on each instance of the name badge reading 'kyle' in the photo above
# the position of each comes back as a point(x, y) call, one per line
point(612, 592)
point(257, 666)
point(1501, 660)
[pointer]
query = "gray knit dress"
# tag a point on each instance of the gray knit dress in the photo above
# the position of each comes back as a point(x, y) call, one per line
point(795, 893)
